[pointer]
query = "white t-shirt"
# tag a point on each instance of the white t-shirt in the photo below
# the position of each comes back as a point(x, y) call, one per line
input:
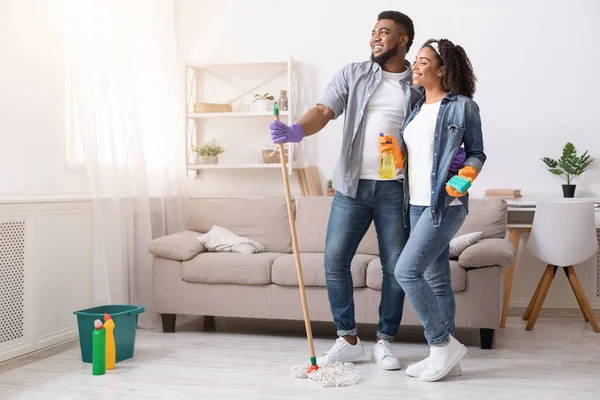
point(419, 138)
point(384, 113)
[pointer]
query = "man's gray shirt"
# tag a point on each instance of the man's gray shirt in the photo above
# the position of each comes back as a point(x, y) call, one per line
point(350, 91)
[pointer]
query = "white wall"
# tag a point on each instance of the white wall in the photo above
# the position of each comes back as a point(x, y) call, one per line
point(32, 113)
point(536, 63)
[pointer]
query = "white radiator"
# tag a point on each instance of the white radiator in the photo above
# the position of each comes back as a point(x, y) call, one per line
point(12, 282)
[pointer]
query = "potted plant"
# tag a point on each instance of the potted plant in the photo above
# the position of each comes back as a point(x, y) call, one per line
point(208, 152)
point(568, 166)
point(263, 102)
point(330, 189)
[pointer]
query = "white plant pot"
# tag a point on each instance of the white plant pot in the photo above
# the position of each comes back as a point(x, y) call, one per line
point(263, 105)
point(203, 160)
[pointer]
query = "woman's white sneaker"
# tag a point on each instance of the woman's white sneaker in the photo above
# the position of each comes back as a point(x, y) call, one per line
point(442, 359)
point(383, 356)
point(415, 369)
point(342, 351)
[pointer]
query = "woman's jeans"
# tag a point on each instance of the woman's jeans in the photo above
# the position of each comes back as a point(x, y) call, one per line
point(380, 202)
point(423, 270)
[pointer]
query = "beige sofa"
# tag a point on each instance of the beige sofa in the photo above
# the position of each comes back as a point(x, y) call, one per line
point(190, 280)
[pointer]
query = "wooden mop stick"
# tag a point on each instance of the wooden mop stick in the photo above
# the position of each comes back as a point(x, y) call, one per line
point(288, 198)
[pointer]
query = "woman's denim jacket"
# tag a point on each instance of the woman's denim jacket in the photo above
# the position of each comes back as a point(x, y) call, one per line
point(458, 123)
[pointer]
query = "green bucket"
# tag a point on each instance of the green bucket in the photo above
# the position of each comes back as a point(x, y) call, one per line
point(125, 317)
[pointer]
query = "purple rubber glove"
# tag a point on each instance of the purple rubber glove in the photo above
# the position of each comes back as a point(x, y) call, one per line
point(459, 160)
point(281, 133)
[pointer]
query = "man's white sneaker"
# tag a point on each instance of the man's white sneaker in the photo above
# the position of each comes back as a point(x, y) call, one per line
point(442, 359)
point(383, 356)
point(342, 351)
point(415, 370)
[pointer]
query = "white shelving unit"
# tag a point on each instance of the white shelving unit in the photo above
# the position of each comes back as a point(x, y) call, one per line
point(245, 129)
point(238, 166)
point(235, 114)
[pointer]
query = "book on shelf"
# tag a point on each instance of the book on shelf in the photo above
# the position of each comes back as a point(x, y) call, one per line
point(503, 193)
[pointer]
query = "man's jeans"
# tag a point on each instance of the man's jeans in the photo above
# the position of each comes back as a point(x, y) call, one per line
point(423, 270)
point(382, 202)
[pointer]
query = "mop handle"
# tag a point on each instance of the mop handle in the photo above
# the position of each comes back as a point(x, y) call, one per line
point(288, 198)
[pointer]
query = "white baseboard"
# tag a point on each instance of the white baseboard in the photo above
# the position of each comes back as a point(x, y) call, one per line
point(38, 355)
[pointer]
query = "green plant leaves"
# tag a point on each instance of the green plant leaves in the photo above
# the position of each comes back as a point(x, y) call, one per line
point(208, 149)
point(569, 151)
point(569, 165)
point(556, 171)
point(265, 96)
point(550, 162)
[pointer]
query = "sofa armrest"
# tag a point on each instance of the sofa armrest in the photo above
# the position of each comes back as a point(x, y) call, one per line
point(180, 246)
point(486, 253)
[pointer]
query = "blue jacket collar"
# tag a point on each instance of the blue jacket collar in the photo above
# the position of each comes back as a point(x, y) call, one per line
point(450, 96)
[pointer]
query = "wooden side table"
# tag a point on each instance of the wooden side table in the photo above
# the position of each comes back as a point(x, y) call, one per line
point(514, 236)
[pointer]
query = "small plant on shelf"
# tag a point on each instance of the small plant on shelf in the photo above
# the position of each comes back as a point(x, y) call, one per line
point(208, 152)
point(330, 189)
point(263, 102)
point(266, 96)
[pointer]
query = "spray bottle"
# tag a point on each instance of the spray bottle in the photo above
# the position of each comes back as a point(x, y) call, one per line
point(109, 325)
point(387, 165)
point(98, 349)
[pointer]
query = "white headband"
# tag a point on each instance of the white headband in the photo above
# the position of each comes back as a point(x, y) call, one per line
point(435, 47)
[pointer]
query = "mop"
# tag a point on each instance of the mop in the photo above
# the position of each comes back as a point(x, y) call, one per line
point(334, 374)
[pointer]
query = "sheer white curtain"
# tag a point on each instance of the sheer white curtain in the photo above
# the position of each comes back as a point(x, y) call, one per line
point(124, 98)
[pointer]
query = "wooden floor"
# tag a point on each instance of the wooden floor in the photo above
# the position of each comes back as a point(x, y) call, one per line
point(240, 359)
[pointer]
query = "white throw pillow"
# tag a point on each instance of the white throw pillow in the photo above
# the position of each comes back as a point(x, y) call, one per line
point(460, 243)
point(222, 240)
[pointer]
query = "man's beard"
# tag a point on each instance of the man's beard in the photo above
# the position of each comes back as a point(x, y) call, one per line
point(385, 57)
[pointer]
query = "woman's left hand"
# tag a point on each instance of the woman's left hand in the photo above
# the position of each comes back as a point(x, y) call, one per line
point(467, 172)
point(455, 193)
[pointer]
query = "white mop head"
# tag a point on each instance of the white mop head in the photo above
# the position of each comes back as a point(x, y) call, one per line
point(331, 375)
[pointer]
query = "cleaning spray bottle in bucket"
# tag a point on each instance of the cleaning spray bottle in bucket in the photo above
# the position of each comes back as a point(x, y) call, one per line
point(98, 349)
point(387, 165)
point(109, 326)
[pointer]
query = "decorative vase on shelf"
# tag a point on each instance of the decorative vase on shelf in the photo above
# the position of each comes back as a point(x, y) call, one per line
point(204, 160)
point(263, 105)
point(283, 101)
point(569, 191)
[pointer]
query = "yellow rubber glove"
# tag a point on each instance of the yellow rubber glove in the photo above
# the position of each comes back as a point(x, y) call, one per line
point(396, 150)
point(467, 172)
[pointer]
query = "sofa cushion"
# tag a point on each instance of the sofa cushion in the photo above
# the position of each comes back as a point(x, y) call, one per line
point(313, 270)
point(180, 246)
point(487, 216)
point(458, 275)
point(219, 239)
point(246, 269)
point(460, 243)
point(312, 217)
point(264, 219)
point(488, 252)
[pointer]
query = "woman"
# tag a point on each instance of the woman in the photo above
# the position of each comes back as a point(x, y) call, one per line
point(442, 121)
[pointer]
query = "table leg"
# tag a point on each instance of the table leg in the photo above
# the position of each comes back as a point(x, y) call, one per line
point(514, 236)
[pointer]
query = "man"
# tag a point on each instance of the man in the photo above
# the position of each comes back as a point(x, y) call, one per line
point(377, 96)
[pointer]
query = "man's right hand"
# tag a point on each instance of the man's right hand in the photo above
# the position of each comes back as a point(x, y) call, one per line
point(282, 133)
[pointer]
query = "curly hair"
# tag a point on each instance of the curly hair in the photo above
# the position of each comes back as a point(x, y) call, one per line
point(458, 75)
